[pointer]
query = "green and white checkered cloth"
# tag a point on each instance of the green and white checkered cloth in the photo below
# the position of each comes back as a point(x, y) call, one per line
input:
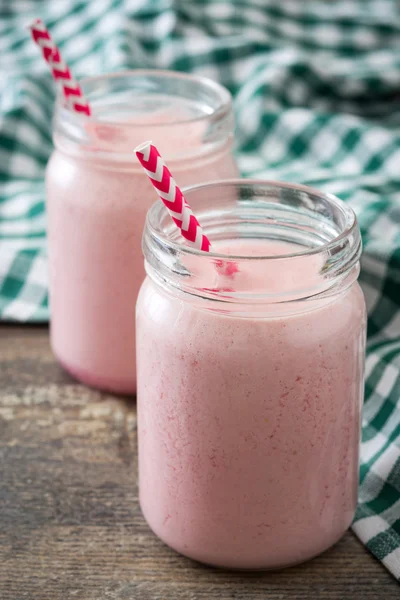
point(316, 89)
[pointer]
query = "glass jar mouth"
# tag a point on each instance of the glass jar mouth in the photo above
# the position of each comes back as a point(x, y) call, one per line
point(156, 213)
point(129, 107)
point(319, 255)
point(93, 84)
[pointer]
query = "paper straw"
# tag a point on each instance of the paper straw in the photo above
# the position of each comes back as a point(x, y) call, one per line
point(172, 197)
point(59, 69)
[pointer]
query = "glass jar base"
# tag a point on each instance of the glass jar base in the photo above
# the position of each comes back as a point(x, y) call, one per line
point(105, 384)
point(254, 564)
point(255, 569)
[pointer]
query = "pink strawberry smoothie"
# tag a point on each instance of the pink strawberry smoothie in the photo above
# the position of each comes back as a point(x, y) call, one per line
point(249, 427)
point(96, 210)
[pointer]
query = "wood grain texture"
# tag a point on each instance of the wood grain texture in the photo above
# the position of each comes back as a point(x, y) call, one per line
point(70, 523)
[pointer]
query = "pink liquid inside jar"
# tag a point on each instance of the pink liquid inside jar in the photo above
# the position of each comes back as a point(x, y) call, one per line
point(250, 385)
point(97, 199)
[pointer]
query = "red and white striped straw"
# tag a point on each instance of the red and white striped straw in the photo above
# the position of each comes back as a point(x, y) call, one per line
point(60, 71)
point(171, 195)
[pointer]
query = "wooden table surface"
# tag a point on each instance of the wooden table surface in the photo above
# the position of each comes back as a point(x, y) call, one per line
point(70, 523)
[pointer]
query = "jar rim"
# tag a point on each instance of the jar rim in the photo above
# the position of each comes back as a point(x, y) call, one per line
point(127, 103)
point(156, 211)
point(223, 109)
point(323, 227)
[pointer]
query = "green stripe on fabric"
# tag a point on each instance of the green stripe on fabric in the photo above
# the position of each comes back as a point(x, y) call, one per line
point(384, 543)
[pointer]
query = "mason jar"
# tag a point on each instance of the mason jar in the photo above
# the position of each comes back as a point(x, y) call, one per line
point(250, 364)
point(97, 198)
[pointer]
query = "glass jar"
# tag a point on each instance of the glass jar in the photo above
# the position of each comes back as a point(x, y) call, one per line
point(97, 198)
point(250, 375)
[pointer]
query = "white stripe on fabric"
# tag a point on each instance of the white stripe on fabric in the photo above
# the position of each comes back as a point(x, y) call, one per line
point(372, 447)
point(382, 467)
point(392, 562)
point(387, 381)
point(369, 527)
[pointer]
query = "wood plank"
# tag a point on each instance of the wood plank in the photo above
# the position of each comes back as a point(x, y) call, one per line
point(70, 522)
